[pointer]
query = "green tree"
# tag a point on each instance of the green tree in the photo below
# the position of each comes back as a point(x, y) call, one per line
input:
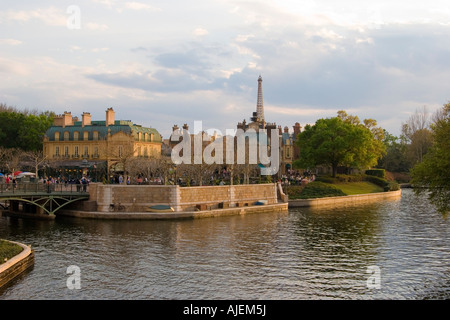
point(432, 175)
point(23, 129)
point(340, 141)
point(395, 158)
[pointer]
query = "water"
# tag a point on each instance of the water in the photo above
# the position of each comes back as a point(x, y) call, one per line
point(305, 253)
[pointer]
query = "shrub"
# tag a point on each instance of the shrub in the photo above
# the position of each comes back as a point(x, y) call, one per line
point(386, 185)
point(319, 189)
point(326, 179)
point(376, 172)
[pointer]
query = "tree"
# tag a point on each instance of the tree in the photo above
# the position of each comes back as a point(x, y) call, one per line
point(433, 173)
point(340, 141)
point(417, 135)
point(37, 158)
point(395, 159)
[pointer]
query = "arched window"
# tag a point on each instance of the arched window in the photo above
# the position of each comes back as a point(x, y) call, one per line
point(76, 135)
point(66, 135)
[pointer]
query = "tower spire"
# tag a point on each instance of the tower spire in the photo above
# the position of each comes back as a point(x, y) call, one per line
point(259, 103)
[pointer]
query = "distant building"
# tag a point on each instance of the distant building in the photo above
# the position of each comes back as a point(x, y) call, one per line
point(288, 150)
point(79, 147)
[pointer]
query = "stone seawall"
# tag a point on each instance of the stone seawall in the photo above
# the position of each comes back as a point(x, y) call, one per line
point(346, 200)
point(137, 198)
point(270, 208)
point(17, 265)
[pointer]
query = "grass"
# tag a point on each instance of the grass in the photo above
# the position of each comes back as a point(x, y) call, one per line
point(351, 188)
point(8, 250)
point(322, 189)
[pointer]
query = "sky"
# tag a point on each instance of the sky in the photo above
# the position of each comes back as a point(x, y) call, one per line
point(160, 63)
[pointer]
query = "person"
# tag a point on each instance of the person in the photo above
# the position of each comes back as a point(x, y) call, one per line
point(78, 183)
point(8, 180)
point(84, 182)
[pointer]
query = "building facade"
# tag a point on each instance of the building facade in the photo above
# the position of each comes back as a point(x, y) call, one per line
point(81, 146)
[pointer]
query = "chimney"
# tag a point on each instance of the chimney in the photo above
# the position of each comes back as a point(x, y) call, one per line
point(279, 130)
point(67, 119)
point(110, 117)
point(186, 127)
point(85, 119)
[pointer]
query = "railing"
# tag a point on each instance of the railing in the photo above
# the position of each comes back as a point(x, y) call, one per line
point(24, 187)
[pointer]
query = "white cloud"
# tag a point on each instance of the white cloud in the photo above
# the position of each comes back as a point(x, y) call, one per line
point(199, 32)
point(140, 6)
point(10, 42)
point(50, 16)
point(96, 26)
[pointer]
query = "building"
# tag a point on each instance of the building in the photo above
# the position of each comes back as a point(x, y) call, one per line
point(83, 147)
point(288, 150)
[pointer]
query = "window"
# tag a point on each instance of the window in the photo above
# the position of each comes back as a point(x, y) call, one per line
point(56, 136)
point(96, 152)
point(66, 136)
point(57, 151)
point(66, 151)
point(86, 151)
point(120, 151)
point(76, 152)
point(76, 135)
point(85, 135)
point(95, 135)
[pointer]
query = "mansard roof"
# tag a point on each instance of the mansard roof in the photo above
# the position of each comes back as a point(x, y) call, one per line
point(124, 126)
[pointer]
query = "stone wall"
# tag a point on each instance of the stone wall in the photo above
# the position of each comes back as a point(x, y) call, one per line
point(133, 197)
point(16, 265)
point(137, 198)
point(346, 200)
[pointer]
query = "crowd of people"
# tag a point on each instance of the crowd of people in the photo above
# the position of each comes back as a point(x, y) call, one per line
point(294, 177)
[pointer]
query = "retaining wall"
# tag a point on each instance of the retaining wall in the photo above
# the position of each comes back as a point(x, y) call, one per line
point(346, 200)
point(137, 198)
point(16, 265)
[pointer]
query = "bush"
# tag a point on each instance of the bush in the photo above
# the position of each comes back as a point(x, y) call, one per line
point(318, 189)
point(386, 185)
point(341, 178)
point(381, 173)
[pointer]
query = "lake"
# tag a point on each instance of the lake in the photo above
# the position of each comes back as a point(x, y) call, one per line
point(398, 249)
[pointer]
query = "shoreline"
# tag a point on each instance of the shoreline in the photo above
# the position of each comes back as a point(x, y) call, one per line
point(277, 207)
point(17, 265)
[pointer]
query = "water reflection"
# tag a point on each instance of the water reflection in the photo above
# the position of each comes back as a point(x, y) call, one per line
point(307, 253)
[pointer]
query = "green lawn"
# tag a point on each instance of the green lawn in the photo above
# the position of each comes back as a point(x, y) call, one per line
point(8, 250)
point(357, 187)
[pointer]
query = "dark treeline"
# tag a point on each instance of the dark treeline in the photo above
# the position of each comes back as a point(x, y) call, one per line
point(23, 129)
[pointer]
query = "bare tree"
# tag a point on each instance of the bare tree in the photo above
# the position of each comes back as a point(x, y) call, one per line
point(38, 158)
point(417, 134)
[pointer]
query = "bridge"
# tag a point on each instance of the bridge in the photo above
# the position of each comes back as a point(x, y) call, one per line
point(40, 199)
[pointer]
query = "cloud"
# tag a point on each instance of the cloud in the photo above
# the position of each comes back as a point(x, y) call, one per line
point(140, 6)
point(199, 32)
point(10, 42)
point(96, 26)
point(51, 16)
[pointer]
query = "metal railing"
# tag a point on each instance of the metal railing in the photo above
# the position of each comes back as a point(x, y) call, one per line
point(28, 188)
